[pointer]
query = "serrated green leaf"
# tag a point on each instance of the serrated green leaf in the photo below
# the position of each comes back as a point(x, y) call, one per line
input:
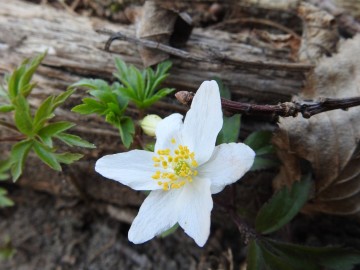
point(90, 106)
point(29, 72)
point(90, 83)
point(23, 119)
point(19, 152)
point(60, 99)
point(127, 131)
point(254, 258)
point(46, 155)
point(52, 129)
point(5, 201)
point(6, 108)
point(68, 158)
point(43, 113)
point(230, 129)
point(283, 206)
point(72, 140)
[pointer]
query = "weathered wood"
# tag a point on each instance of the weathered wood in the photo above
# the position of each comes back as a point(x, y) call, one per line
point(75, 50)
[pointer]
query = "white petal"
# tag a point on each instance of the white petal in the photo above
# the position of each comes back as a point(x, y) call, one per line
point(196, 205)
point(156, 215)
point(228, 163)
point(203, 121)
point(133, 169)
point(167, 129)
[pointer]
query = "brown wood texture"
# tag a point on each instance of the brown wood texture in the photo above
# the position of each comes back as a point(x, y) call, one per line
point(76, 50)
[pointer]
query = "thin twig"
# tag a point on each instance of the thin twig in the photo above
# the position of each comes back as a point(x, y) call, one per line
point(8, 125)
point(286, 109)
point(212, 56)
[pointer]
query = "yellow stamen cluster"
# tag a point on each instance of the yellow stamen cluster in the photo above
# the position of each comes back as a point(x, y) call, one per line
point(175, 169)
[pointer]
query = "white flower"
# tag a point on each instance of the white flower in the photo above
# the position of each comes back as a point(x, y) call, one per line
point(183, 172)
point(149, 124)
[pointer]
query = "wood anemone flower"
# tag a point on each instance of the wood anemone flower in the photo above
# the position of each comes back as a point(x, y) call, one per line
point(183, 172)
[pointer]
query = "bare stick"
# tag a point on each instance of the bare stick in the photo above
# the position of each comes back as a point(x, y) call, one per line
point(286, 109)
point(212, 56)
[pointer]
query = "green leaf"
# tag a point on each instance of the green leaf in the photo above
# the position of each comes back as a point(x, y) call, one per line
point(43, 113)
point(52, 129)
point(5, 201)
point(90, 106)
point(47, 156)
point(230, 129)
point(27, 75)
point(254, 258)
point(314, 258)
point(72, 140)
point(261, 163)
point(283, 206)
point(258, 139)
point(5, 166)
point(127, 131)
point(19, 152)
point(224, 91)
point(274, 262)
point(60, 99)
point(6, 108)
point(68, 158)
point(170, 231)
point(23, 119)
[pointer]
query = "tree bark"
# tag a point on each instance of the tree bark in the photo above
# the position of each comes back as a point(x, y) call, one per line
point(76, 50)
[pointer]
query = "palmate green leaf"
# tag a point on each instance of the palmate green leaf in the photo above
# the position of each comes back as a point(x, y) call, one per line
point(283, 206)
point(60, 99)
point(73, 140)
point(23, 119)
point(47, 155)
point(19, 152)
point(159, 95)
point(90, 106)
point(46, 133)
point(230, 130)
point(43, 113)
point(14, 78)
point(5, 201)
point(127, 131)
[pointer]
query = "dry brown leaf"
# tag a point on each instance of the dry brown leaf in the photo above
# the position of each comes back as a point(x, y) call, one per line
point(329, 141)
point(320, 34)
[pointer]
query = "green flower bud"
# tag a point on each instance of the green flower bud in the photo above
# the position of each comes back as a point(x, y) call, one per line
point(149, 123)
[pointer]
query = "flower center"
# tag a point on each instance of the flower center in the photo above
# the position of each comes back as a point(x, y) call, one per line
point(177, 167)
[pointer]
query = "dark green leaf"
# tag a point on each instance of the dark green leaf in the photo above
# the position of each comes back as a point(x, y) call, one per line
point(72, 140)
point(68, 158)
point(224, 91)
point(274, 262)
point(262, 163)
point(19, 152)
point(127, 131)
point(334, 258)
point(230, 129)
point(258, 139)
point(47, 156)
point(23, 120)
point(283, 206)
point(254, 258)
point(5, 166)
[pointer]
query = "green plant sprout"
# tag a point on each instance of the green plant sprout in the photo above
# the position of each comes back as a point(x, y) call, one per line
point(36, 132)
point(111, 101)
